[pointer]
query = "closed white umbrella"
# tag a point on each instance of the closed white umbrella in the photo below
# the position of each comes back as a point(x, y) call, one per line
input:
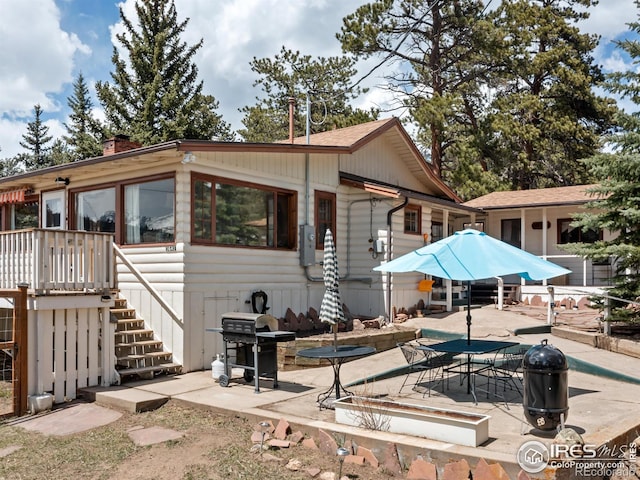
point(331, 308)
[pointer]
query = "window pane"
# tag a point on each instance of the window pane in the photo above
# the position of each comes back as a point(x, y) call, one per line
point(54, 213)
point(511, 232)
point(202, 210)
point(149, 212)
point(590, 236)
point(437, 231)
point(325, 213)
point(96, 210)
point(569, 234)
point(25, 215)
point(325, 220)
point(411, 221)
point(244, 216)
point(252, 217)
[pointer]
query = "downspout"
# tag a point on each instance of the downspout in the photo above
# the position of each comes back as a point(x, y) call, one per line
point(389, 228)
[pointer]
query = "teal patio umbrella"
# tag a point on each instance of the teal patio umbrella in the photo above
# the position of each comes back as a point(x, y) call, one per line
point(472, 255)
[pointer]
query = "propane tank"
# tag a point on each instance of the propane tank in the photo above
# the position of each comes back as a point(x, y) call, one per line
point(217, 367)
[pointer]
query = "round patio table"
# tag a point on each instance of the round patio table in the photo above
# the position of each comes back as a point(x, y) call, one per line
point(337, 356)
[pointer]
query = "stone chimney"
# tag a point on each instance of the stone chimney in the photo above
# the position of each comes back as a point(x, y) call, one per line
point(117, 144)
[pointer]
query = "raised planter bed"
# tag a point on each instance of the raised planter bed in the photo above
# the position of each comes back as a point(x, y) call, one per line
point(381, 339)
point(452, 426)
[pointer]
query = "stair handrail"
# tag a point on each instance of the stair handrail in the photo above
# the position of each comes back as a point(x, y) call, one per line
point(150, 288)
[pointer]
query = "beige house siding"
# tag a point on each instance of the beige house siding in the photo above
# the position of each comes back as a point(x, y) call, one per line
point(202, 282)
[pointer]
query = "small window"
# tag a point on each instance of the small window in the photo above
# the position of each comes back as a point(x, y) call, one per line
point(511, 231)
point(413, 219)
point(437, 231)
point(325, 212)
point(570, 234)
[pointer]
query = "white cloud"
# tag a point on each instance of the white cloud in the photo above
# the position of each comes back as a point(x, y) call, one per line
point(615, 63)
point(45, 56)
point(609, 18)
point(36, 60)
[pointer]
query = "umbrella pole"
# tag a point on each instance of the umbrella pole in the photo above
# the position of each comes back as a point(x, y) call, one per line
point(468, 312)
point(468, 335)
point(335, 337)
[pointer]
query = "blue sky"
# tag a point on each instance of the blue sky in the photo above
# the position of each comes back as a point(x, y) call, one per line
point(46, 43)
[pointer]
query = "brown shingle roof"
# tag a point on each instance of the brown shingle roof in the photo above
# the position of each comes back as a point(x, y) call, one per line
point(531, 198)
point(344, 137)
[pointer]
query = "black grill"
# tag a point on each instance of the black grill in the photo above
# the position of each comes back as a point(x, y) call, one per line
point(250, 342)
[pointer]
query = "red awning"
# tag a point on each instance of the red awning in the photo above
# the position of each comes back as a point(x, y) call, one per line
point(12, 196)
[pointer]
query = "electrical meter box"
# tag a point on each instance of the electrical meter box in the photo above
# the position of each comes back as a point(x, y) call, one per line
point(307, 245)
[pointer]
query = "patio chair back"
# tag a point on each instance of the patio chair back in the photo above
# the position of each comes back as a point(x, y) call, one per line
point(429, 364)
point(410, 353)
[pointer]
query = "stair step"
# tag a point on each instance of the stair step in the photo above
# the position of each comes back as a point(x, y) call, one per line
point(130, 358)
point(123, 323)
point(158, 354)
point(148, 346)
point(123, 312)
point(162, 368)
point(127, 333)
point(120, 303)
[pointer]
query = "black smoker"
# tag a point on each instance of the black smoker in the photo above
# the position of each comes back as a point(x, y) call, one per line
point(546, 388)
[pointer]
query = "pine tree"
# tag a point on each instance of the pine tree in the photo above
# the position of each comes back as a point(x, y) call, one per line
point(326, 82)
point(155, 95)
point(616, 207)
point(35, 142)
point(546, 115)
point(10, 166)
point(441, 54)
point(85, 133)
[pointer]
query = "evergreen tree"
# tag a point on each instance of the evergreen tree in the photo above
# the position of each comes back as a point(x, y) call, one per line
point(292, 75)
point(616, 206)
point(10, 166)
point(545, 116)
point(442, 53)
point(85, 133)
point(60, 153)
point(155, 95)
point(35, 141)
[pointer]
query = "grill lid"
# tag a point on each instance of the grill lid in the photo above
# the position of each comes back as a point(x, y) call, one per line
point(249, 322)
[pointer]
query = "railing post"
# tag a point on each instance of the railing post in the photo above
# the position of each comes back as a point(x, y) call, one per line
point(21, 371)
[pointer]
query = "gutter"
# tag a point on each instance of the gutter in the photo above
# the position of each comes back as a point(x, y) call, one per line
point(389, 229)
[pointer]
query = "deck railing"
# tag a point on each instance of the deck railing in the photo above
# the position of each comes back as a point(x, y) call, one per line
point(63, 260)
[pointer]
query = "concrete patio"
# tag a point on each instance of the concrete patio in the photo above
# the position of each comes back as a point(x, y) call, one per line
point(601, 409)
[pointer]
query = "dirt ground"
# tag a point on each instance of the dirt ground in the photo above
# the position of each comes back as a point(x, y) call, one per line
point(214, 447)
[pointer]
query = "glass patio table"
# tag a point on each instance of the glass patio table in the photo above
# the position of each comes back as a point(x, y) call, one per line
point(470, 348)
point(337, 356)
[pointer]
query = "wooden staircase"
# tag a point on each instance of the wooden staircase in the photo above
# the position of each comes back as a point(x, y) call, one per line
point(138, 353)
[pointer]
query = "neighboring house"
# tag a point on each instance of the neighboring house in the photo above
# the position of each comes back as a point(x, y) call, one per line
point(194, 228)
point(539, 221)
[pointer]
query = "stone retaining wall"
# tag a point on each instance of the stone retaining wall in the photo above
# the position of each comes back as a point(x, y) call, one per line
point(381, 339)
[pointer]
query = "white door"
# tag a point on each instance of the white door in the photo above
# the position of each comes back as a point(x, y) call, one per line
point(54, 210)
